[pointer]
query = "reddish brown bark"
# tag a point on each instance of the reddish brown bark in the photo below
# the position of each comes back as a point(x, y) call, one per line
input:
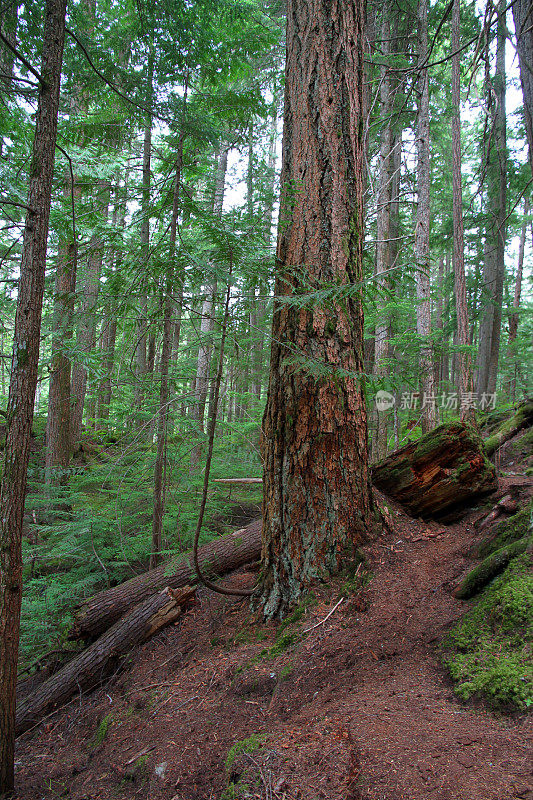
point(317, 503)
point(24, 376)
point(441, 470)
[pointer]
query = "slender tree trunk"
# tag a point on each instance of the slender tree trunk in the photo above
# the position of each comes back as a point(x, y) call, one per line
point(24, 377)
point(317, 504)
point(439, 323)
point(445, 357)
point(513, 318)
point(8, 27)
point(58, 439)
point(523, 23)
point(463, 374)
point(494, 263)
point(383, 232)
point(142, 322)
point(86, 334)
point(163, 414)
point(109, 324)
point(207, 322)
point(422, 254)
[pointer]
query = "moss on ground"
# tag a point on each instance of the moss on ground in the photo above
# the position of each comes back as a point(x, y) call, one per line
point(489, 652)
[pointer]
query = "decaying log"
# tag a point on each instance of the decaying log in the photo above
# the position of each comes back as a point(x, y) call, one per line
point(216, 558)
point(522, 418)
point(441, 470)
point(87, 669)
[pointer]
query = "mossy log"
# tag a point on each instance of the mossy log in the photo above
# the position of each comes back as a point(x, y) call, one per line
point(481, 575)
point(505, 532)
point(522, 418)
point(229, 552)
point(443, 469)
point(87, 669)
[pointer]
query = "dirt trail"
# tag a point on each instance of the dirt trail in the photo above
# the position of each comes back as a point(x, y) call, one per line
point(357, 709)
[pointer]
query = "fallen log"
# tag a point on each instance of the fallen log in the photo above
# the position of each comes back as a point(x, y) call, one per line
point(522, 418)
point(229, 552)
point(443, 469)
point(87, 669)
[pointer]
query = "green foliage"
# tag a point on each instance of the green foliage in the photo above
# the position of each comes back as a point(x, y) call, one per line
point(488, 653)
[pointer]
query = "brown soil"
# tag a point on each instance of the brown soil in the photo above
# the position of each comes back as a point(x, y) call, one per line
point(359, 708)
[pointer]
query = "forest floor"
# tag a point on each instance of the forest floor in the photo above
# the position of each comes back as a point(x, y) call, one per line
point(356, 707)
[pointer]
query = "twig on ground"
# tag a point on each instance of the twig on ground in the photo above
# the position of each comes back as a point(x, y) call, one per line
point(325, 618)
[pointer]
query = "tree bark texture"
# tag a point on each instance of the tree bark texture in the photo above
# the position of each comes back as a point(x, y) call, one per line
point(422, 254)
point(8, 26)
point(216, 558)
point(317, 502)
point(88, 668)
point(524, 45)
point(58, 439)
point(513, 317)
point(142, 322)
point(207, 322)
point(494, 263)
point(385, 227)
point(24, 376)
point(89, 281)
point(441, 470)
point(462, 358)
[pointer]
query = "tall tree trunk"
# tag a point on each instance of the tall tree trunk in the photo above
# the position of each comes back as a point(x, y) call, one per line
point(142, 322)
point(383, 233)
point(317, 504)
point(109, 323)
point(523, 23)
point(89, 282)
point(207, 322)
point(163, 413)
point(461, 359)
point(8, 28)
point(494, 263)
point(422, 255)
point(513, 318)
point(24, 377)
point(58, 439)
point(439, 323)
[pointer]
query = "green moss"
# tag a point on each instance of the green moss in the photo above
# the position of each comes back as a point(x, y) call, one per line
point(488, 653)
point(249, 745)
point(510, 530)
point(101, 731)
point(283, 643)
point(514, 422)
point(490, 567)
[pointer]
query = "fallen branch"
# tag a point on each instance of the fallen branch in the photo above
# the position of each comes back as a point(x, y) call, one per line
point(318, 624)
